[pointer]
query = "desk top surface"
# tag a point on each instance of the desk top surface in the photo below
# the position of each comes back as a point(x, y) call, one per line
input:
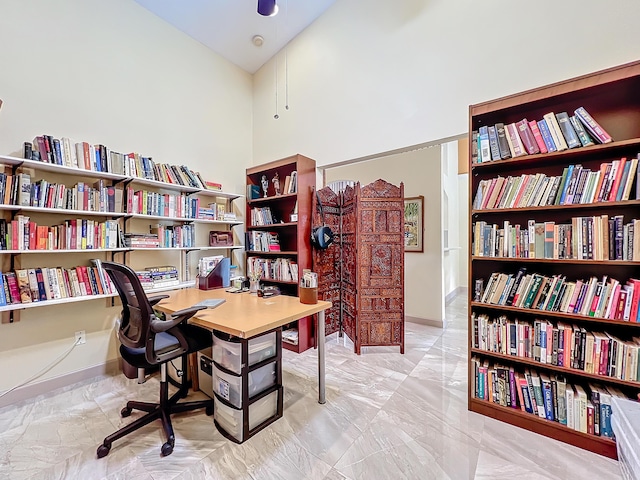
point(242, 314)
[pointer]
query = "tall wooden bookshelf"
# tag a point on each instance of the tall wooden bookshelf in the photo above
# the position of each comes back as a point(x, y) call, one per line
point(294, 233)
point(611, 97)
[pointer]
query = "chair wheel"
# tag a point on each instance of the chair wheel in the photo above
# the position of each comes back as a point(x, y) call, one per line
point(208, 410)
point(167, 449)
point(103, 450)
point(125, 412)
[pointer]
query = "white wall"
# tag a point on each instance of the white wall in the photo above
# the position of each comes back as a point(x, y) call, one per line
point(110, 72)
point(420, 170)
point(463, 229)
point(371, 76)
point(450, 218)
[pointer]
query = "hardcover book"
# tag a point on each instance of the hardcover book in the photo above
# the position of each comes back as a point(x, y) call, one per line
point(594, 128)
point(567, 130)
point(527, 137)
point(505, 151)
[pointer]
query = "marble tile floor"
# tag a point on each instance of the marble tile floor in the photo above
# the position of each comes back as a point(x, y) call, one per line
point(387, 416)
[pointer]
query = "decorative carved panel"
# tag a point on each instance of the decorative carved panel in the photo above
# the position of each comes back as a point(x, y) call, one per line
point(363, 271)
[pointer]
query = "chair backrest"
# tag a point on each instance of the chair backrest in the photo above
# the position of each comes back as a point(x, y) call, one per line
point(137, 312)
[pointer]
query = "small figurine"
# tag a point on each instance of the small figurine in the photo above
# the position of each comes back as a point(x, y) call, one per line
point(276, 183)
point(265, 185)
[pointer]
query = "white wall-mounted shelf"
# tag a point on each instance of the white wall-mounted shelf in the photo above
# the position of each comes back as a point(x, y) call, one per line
point(73, 250)
point(59, 301)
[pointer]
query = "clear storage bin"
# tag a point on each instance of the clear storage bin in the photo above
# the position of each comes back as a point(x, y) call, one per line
point(230, 419)
point(228, 353)
point(205, 373)
point(229, 387)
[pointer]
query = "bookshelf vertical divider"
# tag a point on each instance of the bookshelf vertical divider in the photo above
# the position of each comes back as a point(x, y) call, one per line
point(611, 97)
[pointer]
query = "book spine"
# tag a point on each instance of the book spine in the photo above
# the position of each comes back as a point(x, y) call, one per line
point(537, 135)
point(567, 130)
point(526, 135)
point(546, 136)
point(592, 126)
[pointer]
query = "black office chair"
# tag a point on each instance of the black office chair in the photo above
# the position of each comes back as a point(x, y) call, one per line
point(148, 341)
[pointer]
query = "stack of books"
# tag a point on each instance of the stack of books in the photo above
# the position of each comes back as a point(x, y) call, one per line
point(141, 240)
point(158, 277)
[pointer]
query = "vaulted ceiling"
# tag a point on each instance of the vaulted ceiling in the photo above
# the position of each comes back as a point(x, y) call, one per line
point(228, 26)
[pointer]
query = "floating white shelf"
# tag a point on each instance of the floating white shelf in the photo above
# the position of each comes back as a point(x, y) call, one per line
point(59, 301)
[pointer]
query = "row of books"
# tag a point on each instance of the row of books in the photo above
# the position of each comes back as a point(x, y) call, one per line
point(263, 241)
point(262, 216)
point(21, 190)
point(559, 344)
point(586, 409)
point(99, 158)
point(174, 236)
point(577, 185)
point(606, 298)
point(585, 238)
point(553, 133)
point(280, 269)
point(146, 202)
point(42, 284)
point(21, 233)
point(157, 277)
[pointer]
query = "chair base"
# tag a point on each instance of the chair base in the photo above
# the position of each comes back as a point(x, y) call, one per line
point(155, 411)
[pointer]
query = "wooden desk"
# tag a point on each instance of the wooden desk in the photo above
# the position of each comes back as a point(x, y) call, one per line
point(245, 315)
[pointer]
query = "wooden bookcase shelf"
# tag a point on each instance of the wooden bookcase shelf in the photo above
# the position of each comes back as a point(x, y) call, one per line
point(607, 263)
point(610, 97)
point(294, 237)
point(578, 206)
point(602, 445)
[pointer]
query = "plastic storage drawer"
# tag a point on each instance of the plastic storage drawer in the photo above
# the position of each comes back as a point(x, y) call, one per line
point(229, 387)
point(228, 353)
point(230, 419)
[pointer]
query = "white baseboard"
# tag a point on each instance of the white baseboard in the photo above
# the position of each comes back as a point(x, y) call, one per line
point(458, 291)
point(424, 321)
point(47, 386)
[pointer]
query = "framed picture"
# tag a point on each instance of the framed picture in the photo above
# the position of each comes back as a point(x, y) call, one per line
point(413, 224)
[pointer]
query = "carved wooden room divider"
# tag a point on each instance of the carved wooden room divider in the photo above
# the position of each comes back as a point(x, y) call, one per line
point(362, 272)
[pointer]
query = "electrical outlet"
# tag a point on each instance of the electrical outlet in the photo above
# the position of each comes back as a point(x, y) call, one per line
point(81, 337)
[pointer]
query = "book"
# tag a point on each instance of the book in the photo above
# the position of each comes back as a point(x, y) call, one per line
point(505, 151)
point(546, 136)
point(593, 127)
point(537, 135)
point(484, 145)
point(527, 137)
point(22, 281)
point(583, 135)
point(493, 143)
point(567, 130)
point(556, 133)
point(514, 141)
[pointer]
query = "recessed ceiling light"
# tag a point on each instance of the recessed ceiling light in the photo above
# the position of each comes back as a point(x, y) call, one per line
point(257, 40)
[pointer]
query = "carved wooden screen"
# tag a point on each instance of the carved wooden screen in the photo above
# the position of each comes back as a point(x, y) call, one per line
point(362, 272)
point(380, 265)
point(349, 271)
point(326, 263)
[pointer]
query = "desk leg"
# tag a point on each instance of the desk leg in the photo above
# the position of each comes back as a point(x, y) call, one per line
point(320, 342)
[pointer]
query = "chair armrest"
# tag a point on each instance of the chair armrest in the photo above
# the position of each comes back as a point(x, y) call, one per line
point(155, 299)
point(175, 319)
